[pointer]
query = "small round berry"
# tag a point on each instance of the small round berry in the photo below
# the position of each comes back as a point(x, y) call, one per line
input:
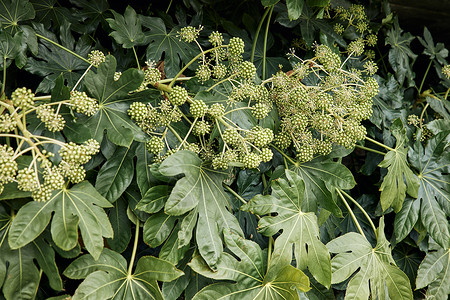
point(198, 108)
point(42, 194)
point(219, 162)
point(266, 154)
point(251, 160)
point(155, 145)
point(261, 136)
point(282, 140)
point(219, 71)
point(178, 95)
point(22, 98)
point(203, 73)
point(83, 104)
point(216, 110)
point(53, 178)
point(27, 180)
point(236, 46)
point(8, 166)
point(305, 153)
point(152, 75)
point(260, 110)
point(138, 111)
point(96, 57)
point(231, 136)
point(247, 70)
point(201, 128)
point(7, 123)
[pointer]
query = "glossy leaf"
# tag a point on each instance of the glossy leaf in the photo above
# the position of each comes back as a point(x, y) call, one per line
point(121, 226)
point(127, 30)
point(249, 274)
point(393, 188)
point(299, 228)
point(434, 272)
point(162, 41)
point(370, 267)
point(199, 191)
point(50, 12)
point(438, 51)
point(92, 12)
point(81, 205)
point(114, 101)
point(15, 12)
point(294, 8)
point(432, 163)
point(116, 174)
point(53, 61)
point(108, 278)
point(157, 228)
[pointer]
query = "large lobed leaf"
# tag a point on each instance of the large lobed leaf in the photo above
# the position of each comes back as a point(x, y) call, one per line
point(109, 277)
point(251, 277)
point(299, 227)
point(114, 100)
point(199, 194)
point(432, 163)
point(372, 270)
point(127, 28)
point(79, 207)
point(393, 189)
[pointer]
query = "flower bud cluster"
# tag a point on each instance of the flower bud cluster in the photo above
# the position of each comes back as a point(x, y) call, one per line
point(83, 104)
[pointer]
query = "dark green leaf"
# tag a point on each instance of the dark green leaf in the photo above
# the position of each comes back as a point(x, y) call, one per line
point(294, 8)
point(154, 199)
point(393, 188)
point(92, 12)
point(121, 226)
point(127, 28)
point(249, 273)
point(53, 61)
point(108, 277)
point(269, 2)
point(434, 272)
point(116, 174)
point(437, 51)
point(432, 164)
point(15, 12)
point(49, 12)
point(81, 205)
point(167, 42)
point(114, 100)
point(157, 228)
point(374, 267)
point(199, 191)
point(406, 218)
point(299, 228)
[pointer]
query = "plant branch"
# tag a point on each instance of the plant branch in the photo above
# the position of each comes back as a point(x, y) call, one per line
point(425, 76)
point(351, 214)
point(265, 44)
point(234, 193)
point(370, 149)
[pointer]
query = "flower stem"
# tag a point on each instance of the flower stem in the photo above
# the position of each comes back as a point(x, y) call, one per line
point(361, 209)
point(425, 76)
point(379, 144)
point(252, 55)
point(4, 77)
point(370, 149)
point(133, 255)
point(351, 214)
point(265, 44)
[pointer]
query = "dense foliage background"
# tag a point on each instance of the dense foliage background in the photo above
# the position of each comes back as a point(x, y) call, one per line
point(196, 149)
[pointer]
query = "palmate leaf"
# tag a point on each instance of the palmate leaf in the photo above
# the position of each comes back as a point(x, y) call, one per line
point(108, 277)
point(374, 268)
point(14, 12)
point(321, 175)
point(50, 12)
point(393, 189)
point(252, 278)
point(401, 56)
point(92, 12)
point(114, 100)
point(299, 228)
point(19, 276)
point(432, 164)
point(79, 207)
point(434, 273)
point(52, 61)
point(438, 51)
point(127, 28)
point(199, 194)
point(161, 41)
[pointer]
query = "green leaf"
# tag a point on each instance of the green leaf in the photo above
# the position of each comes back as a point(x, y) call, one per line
point(269, 2)
point(108, 277)
point(114, 99)
point(433, 167)
point(249, 274)
point(406, 218)
point(157, 228)
point(127, 28)
point(81, 205)
point(10, 47)
point(161, 41)
point(321, 176)
point(393, 189)
point(437, 51)
point(92, 12)
point(374, 267)
point(21, 278)
point(299, 228)
point(199, 191)
point(121, 226)
point(14, 12)
point(401, 56)
point(116, 174)
point(52, 61)
point(434, 272)
point(50, 12)
point(143, 174)
point(154, 199)
point(294, 8)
